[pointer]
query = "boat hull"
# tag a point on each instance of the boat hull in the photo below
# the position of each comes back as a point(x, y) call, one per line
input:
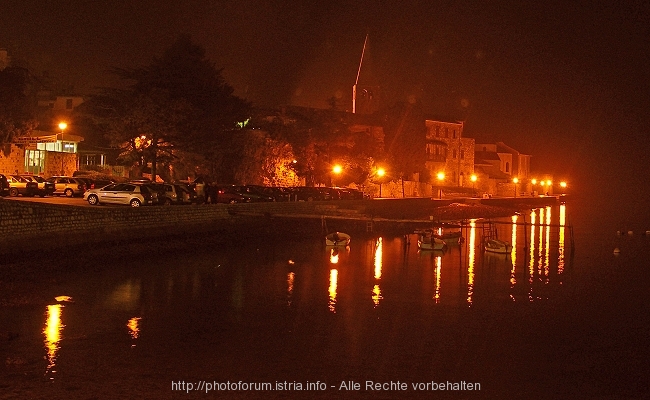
point(337, 239)
point(498, 246)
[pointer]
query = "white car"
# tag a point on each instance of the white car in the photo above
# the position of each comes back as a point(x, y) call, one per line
point(131, 194)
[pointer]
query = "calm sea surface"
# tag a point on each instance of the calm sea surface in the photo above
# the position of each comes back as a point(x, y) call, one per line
point(562, 316)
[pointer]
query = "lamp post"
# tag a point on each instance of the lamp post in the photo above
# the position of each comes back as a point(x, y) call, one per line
point(336, 169)
point(515, 180)
point(62, 126)
point(441, 178)
point(380, 173)
point(473, 178)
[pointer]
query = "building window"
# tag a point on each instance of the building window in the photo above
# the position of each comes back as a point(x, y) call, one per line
point(34, 161)
point(507, 167)
point(454, 154)
point(446, 132)
point(453, 133)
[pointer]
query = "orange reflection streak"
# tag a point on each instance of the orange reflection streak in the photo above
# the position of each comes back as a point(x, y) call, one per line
point(52, 332)
point(547, 248)
point(290, 278)
point(531, 265)
point(438, 268)
point(560, 261)
point(334, 256)
point(540, 261)
point(334, 275)
point(470, 268)
point(513, 255)
point(134, 328)
point(378, 258)
point(376, 295)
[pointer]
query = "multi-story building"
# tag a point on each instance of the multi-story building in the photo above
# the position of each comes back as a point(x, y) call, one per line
point(497, 166)
point(447, 151)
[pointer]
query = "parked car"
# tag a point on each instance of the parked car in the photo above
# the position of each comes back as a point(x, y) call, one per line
point(306, 193)
point(67, 186)
point(253, 193)
point(349, 194)
point(169, 193)
point(4, 186)
point(278, 193)
point(93, 183)
point(45, 188)
point(21, 186)
point(229, 195)
point(131, 194)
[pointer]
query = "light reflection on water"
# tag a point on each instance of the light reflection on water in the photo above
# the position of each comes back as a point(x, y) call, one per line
point(270, 311)
point(338, 282)
point(52, 331)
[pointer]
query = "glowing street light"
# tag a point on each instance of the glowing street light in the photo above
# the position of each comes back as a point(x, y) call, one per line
point(441, 177)
point(336, 170)
point(515, 180)
point(62, 126)
point(563, 184)
point(380, 173)
point(473, 178)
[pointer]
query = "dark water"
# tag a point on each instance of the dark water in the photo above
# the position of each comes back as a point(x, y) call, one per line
point(560, 317)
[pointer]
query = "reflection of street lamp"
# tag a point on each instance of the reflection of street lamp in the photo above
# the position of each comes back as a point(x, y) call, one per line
point(473, 178)
point(380, 173)
point(441, 177)
point(516, 181)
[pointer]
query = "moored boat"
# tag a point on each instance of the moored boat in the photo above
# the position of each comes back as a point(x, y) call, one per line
point(429, 241)
point(497, 246)
point(337, 239)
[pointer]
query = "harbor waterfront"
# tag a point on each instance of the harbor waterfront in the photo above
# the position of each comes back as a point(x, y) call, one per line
point(32, 226)
point(561, 316)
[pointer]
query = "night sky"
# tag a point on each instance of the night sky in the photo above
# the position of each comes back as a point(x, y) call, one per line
point(565, 81)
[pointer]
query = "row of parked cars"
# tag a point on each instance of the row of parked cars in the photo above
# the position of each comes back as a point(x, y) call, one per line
point(144, 192)
point(256, 193)
point(35, 185)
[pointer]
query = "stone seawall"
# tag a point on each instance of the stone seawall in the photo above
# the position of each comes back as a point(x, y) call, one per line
point(25, 225)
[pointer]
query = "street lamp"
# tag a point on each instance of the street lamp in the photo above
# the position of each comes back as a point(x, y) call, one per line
point(62, 126)
point(380, 173)
point(473, 178)
point(336, 169)
point(441, 177)
point(515, 180)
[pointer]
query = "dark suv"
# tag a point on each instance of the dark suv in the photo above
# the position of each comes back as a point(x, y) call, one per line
point(4, 186)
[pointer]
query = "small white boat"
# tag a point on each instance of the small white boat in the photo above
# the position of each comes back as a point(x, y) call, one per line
point(337, 239)
point(427, 241)
point(497, 246)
